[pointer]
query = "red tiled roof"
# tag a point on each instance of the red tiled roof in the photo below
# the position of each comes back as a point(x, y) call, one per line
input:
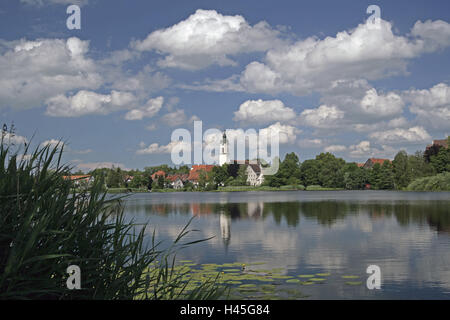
point(76, 177)
point(194, 174)
point(360, 165)
point(157, 174)
point(379, 160)
point(174, 177)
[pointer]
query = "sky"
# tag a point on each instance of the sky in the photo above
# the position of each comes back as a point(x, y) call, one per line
point(325, 74)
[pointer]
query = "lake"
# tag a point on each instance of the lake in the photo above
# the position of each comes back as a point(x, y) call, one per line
point(337, 233)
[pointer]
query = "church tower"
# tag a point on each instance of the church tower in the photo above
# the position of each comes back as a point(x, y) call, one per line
point(223, 156)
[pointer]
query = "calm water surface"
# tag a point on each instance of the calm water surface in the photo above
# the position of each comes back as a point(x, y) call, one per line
point(406, 234)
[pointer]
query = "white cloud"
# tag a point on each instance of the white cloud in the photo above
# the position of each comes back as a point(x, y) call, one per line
point(145, 81)
point(155, 148)
point(177, 118)
point(432, 106)
point(88, 102)
point(207, 37)
point(286, 133)
point(310, 143)
point(364, 150)
point(401, 136)
point(260, 111)
point(149, 110)
point(13, 139)
point(53, 143)
point(335, 148)
point(322, 117)
point(33, 71)
point(313, 64)
point(381, 105)
point(89, 166)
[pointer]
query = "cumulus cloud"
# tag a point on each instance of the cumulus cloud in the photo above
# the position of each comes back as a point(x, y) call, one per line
point(177, 118)
point(364, 150)
point(155, 148)
point(381, 105)
point(52, 143)
point(207, 37)
point(335, 148)
point(310, 143)
point(313, 64)
point(88, 102)
point(89, 166)
point(13, 139)
point(149, 110)
point(33, 71)
point(401, 136)
point(432, 106)
point(260, 111)
point(321, 117)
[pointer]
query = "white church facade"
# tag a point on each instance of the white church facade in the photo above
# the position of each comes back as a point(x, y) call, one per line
point(255, 176)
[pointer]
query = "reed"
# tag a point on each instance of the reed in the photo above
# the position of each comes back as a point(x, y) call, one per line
point(46, 225)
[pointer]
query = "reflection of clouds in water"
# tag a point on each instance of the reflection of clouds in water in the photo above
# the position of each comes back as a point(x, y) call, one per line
point(404, 245)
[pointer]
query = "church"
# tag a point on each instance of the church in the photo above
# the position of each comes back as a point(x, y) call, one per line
point(255, 175)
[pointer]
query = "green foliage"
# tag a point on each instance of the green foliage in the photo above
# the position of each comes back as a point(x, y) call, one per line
point(355, 178)
point(439, 182)
point(441, 161)
point(402, 174)
point(45, 226)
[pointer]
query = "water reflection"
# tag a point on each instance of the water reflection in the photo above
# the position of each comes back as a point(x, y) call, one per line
point(406, 234)
point(435, 214)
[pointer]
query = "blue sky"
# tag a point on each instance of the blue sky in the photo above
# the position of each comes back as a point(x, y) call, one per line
point(116, 89)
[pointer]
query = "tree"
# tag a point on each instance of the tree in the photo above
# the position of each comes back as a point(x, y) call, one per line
point(441, 161)
point(386, 176)
point(219, 174)
point(329, 174)
point(309, 172)
point(401, 171)
point(355, 178)
point(160, 182)
point(289, 170)
point(418, 166)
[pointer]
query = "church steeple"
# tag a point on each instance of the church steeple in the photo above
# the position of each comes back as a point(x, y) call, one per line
point(223, 156)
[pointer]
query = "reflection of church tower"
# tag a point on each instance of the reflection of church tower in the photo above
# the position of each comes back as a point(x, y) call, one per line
point(225, 229)
point(223, 155)
point(255, 209)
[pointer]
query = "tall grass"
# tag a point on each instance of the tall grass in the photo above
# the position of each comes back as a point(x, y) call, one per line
point(45, 226)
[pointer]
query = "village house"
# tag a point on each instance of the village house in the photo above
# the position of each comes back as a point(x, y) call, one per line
point(80, 180)
point(177, 181)
point(158, 174)
point(372, 161)
point(255, 176)
point(442, 143)
point(194, 174)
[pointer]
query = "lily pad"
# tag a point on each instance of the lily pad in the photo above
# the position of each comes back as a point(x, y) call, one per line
point(317, 279)
point(353, 283)
point(350, 277)
point(292, 281)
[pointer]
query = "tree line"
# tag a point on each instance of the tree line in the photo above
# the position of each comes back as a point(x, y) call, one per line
point(325, 170)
